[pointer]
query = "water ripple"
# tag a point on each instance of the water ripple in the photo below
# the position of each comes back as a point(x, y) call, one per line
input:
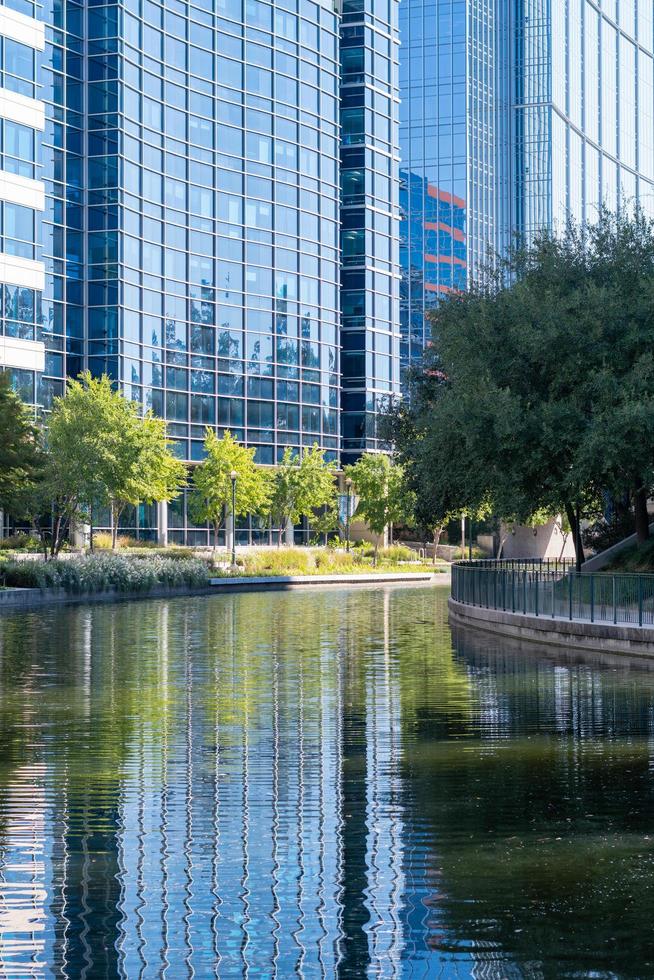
point(317, 785)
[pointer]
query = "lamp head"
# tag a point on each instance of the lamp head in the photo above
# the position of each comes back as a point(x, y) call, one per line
point(233, 474)
point(348, 482)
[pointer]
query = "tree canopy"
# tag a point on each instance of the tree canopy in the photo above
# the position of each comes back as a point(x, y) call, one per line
point(103, 452)
point(537, 392)
point(302, 484)
point(211, 497)
point(20, 453)
point(384, 496)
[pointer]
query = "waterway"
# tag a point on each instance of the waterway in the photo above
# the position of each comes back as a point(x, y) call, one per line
point(318, 783)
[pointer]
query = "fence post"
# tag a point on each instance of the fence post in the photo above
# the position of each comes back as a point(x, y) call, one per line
point(640, 601)
point(524, 592)
point(553, 590)
point(513, 590)
point(592, 598)
point(537, 575)
point(570, 594)
point(615, 605)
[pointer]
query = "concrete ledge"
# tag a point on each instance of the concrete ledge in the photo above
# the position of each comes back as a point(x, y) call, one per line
point(267, 582)
point(13, 599)
point(17, 599)
point(635, 641)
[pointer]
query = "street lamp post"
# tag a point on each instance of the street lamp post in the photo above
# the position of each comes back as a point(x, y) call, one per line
point(233, 476)
point(348, 489)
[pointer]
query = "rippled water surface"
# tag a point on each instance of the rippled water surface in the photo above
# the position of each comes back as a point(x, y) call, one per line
point(317, 784)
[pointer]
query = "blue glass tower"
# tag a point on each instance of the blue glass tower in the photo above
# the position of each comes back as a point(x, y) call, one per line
point(189, 240)
point(514, 117)
point(369, 212)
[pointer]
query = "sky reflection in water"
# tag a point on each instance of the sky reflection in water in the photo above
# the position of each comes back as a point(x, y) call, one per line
point(317, 784)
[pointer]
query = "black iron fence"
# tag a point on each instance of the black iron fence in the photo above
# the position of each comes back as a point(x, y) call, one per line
point(555, 589)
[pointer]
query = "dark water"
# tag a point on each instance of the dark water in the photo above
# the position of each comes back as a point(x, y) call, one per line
point(317, 785)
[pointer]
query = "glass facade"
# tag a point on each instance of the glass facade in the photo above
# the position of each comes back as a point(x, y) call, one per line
point(21, 203)
point(449, 138)
point(515, 114)
point(243, 210)
point(582, 111)
point(369, 213)
point(190, 233)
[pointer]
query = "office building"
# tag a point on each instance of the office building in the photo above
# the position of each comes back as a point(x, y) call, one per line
point(514, 116)
point(369, 218)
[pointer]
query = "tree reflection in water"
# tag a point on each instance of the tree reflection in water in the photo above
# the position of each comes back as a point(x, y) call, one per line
point(316, 784)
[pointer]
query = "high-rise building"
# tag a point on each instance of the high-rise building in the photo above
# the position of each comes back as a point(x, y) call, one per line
point(184, 234)
point(369, 217)
point(514, 116)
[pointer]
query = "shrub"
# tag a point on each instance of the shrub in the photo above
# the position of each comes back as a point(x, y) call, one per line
point(176, 551)
point(98, 573)
point(397, 552)
point(286, 561)
point(20, 542)
point(102, 540)
point(604, 534)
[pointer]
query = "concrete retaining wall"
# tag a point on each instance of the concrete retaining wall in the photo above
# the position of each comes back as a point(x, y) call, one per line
point(263, 582)
point(12, 599)
point(635, 641)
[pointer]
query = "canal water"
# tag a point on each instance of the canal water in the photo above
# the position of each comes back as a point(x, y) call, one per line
point(317, 784)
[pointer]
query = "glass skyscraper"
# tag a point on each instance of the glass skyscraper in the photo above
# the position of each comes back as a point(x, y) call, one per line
point(515, 114)
point(369, 214)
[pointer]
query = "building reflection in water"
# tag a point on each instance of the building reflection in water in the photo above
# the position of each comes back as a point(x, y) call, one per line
point(318, 785)
point(207, 799)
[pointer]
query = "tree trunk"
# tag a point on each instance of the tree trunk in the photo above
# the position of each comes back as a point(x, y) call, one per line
point(641, 517)
point(55, 544)
point(91, 528)
point(216, 531)
point(437, 539)
point(565, 541)
point(572, 514)
point(374, 558)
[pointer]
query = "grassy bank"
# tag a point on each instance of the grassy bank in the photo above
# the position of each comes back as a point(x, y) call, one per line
point(637, 558)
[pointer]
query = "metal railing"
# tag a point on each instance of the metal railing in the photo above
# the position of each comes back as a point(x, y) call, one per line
point(556, 590)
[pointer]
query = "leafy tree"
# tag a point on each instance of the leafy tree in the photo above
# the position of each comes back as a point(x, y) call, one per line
point(211, 498)
point(21, 457)
point(384, 496)
point(150, 471)
point(102, 452)
point(302, 485)
point(538, 391)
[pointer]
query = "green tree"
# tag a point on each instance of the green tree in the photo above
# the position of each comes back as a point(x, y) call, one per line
point(211, 498)
point(302, 485)
point(538, 391)
point(103, 453)
point(21, 457)
point(384, 496)
point(149, 470)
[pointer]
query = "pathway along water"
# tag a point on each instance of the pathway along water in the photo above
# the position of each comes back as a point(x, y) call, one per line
point(317, 784)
